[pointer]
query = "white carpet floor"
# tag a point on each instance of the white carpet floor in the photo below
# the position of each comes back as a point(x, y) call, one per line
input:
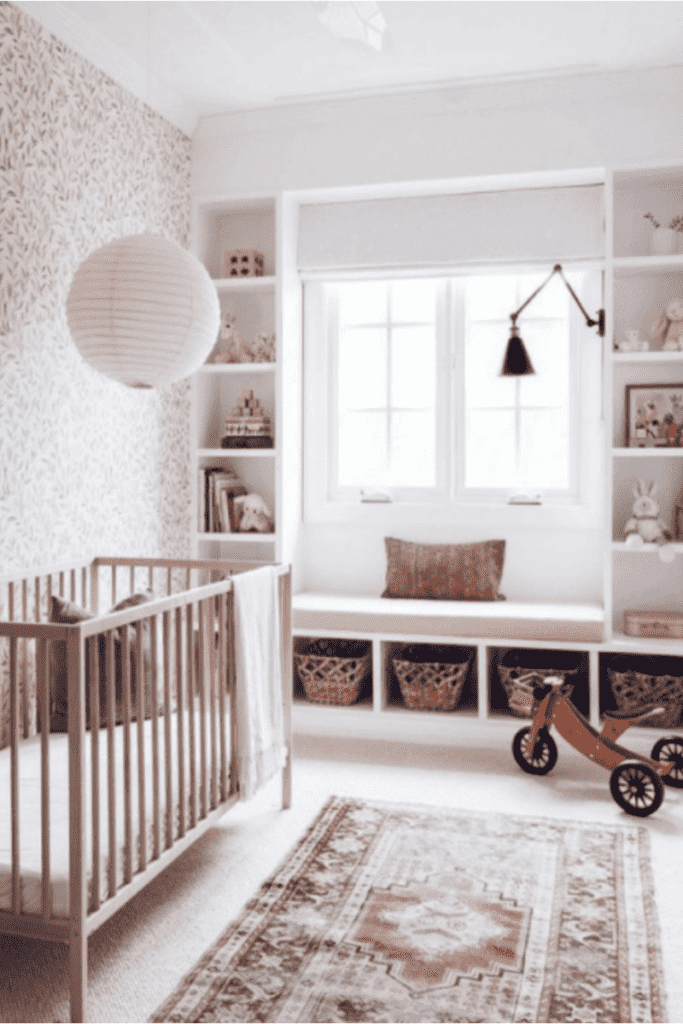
point(138, 957)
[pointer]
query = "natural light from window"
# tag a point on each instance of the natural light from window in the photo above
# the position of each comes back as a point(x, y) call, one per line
point(415, 403)
point(517, 429)
point(386, 412)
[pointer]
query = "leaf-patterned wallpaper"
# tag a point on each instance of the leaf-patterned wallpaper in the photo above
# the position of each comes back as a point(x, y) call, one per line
point(87, 466)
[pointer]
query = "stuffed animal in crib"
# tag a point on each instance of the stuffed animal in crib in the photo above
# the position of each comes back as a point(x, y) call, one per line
point(669, 328)
point(254, 514)
point(645, 526)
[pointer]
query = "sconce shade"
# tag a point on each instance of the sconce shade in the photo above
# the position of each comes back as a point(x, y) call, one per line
point(143, 311)
point(517, 362)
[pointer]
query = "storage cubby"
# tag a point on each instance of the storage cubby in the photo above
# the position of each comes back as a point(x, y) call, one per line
point(518, 661)
point(624, 674)
point(321, 675)
point(432, 653)
point(636, 192)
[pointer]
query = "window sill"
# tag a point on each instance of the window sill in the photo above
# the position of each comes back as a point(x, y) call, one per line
point(550, 516)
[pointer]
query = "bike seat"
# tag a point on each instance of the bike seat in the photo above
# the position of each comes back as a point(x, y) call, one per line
point(642, 711)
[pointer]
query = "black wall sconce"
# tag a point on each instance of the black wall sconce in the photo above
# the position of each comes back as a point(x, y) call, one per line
point(517, 362)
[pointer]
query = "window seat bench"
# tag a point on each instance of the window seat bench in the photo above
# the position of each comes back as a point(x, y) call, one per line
point(486, 620)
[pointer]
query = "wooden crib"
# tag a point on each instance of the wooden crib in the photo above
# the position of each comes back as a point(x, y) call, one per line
point(159, 765)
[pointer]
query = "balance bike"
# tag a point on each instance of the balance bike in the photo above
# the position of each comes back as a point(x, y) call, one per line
point(635, 780)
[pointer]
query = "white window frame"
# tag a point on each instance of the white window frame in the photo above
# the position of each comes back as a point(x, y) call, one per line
point(450, 503)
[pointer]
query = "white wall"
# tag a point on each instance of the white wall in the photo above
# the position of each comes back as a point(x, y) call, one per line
point(616, 119)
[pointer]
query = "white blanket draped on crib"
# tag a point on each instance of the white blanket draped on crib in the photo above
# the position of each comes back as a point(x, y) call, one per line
point(261, 750)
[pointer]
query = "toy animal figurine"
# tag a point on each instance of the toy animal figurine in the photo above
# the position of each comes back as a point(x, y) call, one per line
point(645, 526)
point(668, 330)
point(632, 343)
point(230, 347)
point(255, 514)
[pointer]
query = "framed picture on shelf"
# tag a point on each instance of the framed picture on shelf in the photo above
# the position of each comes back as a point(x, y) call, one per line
point(654, 415)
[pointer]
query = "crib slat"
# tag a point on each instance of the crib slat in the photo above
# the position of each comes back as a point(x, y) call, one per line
point(131, 584)
point(179, 719)
point(211, 643)
point(222, 683)
point(150, 577)
point(61, 584)
point(140, 684)
point(25, 724)
point(36, 592)
point(84, 587)
point(93, 657)
point(167, 728)
point(127, 823)
point(111, 758)
point(203, 665)
point(72, 591)
point(169, 581)
point(113, 585)
point(49, 596)
point(10, 602)
point(78, 938)
point(191, 705)
point(14, 772)
point(43, 684)
point(155, 743)
point(234, 772)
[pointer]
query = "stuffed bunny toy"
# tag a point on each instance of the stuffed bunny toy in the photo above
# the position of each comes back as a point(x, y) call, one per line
point(669, 328)
point(645, 526)
point(255, 514)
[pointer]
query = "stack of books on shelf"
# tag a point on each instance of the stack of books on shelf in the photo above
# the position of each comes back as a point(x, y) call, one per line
point(247, 426)
point(218, 488)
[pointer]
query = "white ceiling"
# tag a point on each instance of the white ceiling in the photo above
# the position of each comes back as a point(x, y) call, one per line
point(188, 59)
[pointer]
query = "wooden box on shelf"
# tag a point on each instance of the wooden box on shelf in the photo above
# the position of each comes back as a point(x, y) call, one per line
point(243, 263)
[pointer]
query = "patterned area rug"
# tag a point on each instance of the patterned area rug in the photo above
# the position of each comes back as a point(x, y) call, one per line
point(391, 912)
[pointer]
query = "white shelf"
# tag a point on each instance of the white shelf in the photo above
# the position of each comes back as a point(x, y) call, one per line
point(645, 645)
point(648, 357)
point(237, 368)
point(647, 453)
point(239, 453)
point(644, 263)
point(244, 284)
point(239, 538)
point(643, 549)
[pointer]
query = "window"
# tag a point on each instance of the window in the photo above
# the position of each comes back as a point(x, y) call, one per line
point(404, 395)
point(384, 428)
point(517, 430)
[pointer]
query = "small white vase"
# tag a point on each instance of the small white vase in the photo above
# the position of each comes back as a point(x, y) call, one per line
point(663, 241)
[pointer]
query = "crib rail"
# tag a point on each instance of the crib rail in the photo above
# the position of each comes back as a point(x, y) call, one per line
point(150, 748)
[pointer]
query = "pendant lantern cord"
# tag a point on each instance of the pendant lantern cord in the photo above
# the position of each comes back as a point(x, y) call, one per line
point(557, 269)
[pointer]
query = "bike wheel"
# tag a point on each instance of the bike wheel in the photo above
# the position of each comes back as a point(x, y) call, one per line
point(636, 788)
point(541, 759)
point(670, 749)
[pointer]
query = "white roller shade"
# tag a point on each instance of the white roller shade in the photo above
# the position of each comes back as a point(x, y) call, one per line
point(524, 225)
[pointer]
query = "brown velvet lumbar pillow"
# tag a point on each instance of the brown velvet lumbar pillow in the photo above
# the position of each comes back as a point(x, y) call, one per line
point(444, 572)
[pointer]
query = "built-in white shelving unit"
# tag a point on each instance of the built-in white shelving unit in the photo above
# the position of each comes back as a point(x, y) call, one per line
point(638, 286)
point(221, 225)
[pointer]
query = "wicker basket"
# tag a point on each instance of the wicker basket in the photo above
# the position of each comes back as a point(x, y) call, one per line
point(520, 680)
point(633, 686)
point(432, 685)
point(328, 678)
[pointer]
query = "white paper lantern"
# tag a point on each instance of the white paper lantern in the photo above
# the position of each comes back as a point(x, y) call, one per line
point(143, 311)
